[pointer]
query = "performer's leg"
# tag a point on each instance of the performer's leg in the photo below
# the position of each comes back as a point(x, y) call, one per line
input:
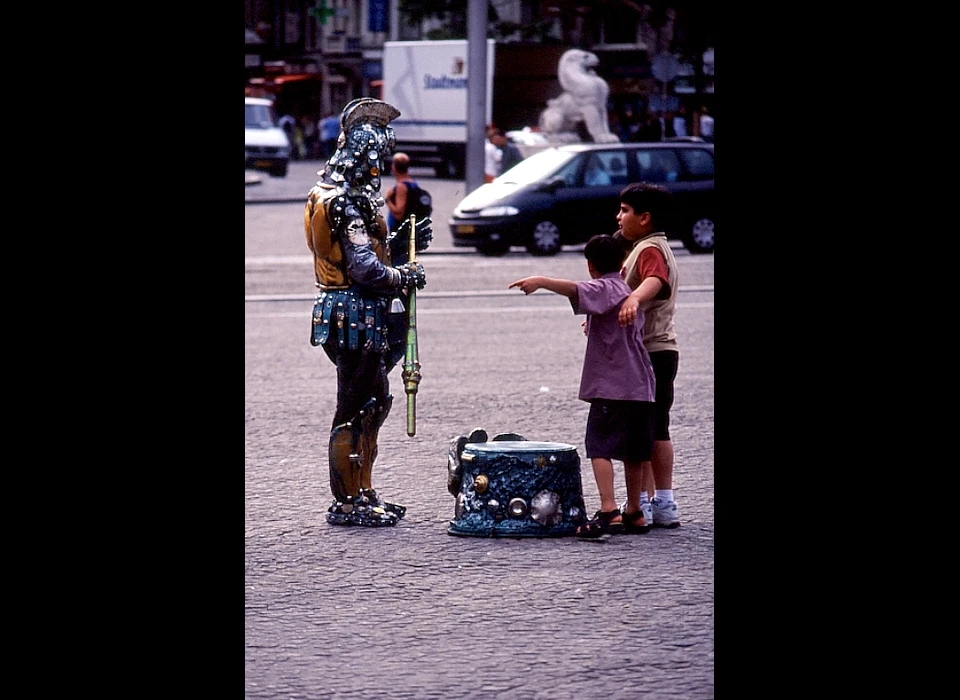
point(344, 462)
point(343, 452)
point(361, 408)
point(372, 416)
point(359, 378)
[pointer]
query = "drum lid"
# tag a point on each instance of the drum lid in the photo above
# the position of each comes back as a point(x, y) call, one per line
point(511, 446)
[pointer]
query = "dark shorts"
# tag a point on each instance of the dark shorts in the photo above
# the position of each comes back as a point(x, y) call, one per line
point(665, 370)
point(620, 430)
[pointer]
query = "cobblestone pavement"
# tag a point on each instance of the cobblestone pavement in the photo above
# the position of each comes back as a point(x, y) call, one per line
point(413, 612)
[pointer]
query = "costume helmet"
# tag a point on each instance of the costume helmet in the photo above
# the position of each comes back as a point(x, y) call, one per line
point(365, 140)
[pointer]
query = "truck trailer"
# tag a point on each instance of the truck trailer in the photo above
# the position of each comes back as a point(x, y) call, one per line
point(427, 82)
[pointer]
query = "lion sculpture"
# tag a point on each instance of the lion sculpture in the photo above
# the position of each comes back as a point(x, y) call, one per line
point(584, 99)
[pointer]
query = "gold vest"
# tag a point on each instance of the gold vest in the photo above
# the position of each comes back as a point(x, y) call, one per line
point(329, 266)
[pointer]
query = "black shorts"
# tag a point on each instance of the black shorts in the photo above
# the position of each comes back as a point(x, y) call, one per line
point(620, 430)
point(665, 370)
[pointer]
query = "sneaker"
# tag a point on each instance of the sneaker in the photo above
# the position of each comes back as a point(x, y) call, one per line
point(665, 514)
point(647, 509)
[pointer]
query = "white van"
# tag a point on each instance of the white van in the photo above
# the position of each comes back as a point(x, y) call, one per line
point(266, 146)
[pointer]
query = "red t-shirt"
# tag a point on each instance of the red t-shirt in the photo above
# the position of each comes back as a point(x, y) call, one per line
point(651, 263)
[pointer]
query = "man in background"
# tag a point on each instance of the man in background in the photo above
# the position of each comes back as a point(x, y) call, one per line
point(329, 131)
point(397, 195)
point(510, 155)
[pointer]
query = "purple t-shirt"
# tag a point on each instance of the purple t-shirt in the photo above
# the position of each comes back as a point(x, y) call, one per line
point(615, 365)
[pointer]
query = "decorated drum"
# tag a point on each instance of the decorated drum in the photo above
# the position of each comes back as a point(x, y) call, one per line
point(515, 488)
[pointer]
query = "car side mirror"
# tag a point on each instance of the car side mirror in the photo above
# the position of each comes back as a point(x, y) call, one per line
point(553, 185)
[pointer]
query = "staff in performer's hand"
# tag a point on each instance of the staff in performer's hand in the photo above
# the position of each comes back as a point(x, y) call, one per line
point(411, 362)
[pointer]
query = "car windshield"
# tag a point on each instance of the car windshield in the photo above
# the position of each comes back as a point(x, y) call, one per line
point(536, 166)
point(257, 117)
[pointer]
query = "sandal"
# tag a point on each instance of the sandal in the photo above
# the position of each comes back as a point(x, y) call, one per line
point(635, 523)
point(601, 525)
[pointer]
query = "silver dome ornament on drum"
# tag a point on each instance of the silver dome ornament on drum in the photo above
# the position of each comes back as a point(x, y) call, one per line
point(514, 487)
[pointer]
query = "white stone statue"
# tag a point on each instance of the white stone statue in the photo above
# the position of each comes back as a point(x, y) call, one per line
point(584, 99)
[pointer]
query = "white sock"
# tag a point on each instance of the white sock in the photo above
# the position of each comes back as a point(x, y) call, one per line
point(664, 495)
point(644, 498)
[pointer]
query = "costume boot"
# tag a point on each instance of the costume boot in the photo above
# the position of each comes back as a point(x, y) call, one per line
point(344, 461)
point(353, 504)
point(372, 417)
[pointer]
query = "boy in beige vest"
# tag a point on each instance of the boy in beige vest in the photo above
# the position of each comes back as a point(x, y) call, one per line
point(650, 270)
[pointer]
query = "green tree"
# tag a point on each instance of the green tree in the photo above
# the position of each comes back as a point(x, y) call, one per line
point(453, 15)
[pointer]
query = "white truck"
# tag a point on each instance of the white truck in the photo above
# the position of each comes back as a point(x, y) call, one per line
point(427, 82)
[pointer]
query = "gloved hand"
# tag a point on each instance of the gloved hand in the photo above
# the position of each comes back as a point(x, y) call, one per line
point(412, 274)
point(399, 240)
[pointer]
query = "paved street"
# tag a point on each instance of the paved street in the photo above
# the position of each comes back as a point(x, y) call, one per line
point(411, 612)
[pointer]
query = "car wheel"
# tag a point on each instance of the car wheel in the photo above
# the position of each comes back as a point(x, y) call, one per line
point(545, 239)
point(700, 236)
point(279, 170)
point(493, 248)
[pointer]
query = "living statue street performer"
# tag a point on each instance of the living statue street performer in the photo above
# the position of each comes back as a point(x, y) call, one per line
point(358, 317)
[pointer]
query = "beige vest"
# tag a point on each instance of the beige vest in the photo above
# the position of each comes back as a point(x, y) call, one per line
point(658, 330)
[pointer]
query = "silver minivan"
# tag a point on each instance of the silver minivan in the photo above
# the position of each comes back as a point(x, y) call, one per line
point(266, 146)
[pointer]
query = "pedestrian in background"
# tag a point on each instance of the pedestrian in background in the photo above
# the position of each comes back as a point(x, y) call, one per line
point(287, 122)
point(617, 381)
point(292, 129)
point(706, 125)
point(491, 157)
point(396, 198)
point(311, 142)
point(680, 122)
point(329, 128)
point(650, 271)
point(650, 129)
point(630, 124)
point(666, 124)
point(510, 155)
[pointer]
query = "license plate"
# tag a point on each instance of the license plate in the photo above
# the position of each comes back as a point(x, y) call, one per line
point(263, 163)
point(465, 229)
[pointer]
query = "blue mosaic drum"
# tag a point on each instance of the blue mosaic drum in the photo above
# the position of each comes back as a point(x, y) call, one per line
point(516, 488)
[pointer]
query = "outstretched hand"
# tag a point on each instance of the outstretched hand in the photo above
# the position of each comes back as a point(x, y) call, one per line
point(528, 285)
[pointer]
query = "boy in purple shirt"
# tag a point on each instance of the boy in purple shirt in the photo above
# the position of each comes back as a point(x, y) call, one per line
point(617, 380)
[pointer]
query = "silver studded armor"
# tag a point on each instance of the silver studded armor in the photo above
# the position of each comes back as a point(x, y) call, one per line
point(351, 321)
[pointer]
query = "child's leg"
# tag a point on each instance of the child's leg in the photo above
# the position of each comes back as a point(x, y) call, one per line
point(603, 473)
point(634, 473)
point(648, 480)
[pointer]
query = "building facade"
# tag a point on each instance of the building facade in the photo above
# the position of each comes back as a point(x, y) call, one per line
point(314, 56)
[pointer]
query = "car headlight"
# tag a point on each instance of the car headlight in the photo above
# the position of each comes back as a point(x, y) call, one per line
point(499, 211)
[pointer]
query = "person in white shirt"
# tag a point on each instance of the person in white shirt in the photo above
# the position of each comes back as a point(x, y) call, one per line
point(491, 159)
point(680, 122)
point(706, 125)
